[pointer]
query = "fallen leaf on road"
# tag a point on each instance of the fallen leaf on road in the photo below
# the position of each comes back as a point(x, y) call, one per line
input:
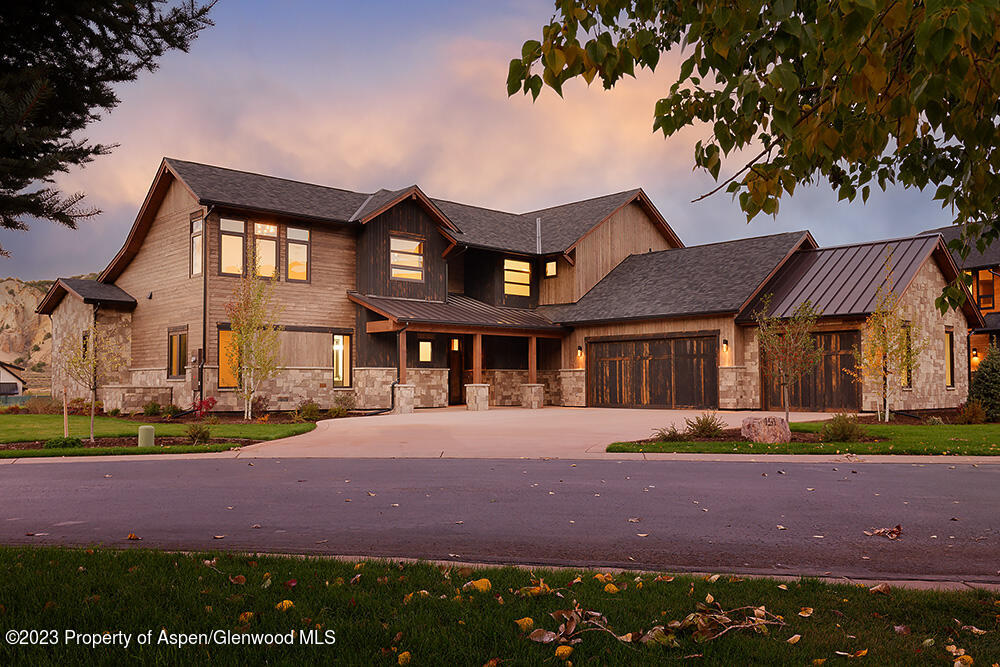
point(633, 519)
point(218, 537)
point(890, 533)
point(131, 536)
point(642, 534)
point(255, 526)
point(780, 527)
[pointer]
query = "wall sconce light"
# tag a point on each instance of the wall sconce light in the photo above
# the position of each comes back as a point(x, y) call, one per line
point(454, 345)
point(975, 353)
point(725, 345)
point(579, 350)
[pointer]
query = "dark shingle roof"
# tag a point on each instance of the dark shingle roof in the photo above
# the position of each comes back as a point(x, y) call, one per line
point(91, 291)
point(844, 280)
point(976, 259)
point(458, 310)
point(375, 201)
point(992, 322)
point(487, 228)
point(241, 189)
point(703, 279)
point(563, 225)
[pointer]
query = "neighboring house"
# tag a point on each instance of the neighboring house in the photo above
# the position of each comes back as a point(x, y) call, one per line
point(984, 268)
point(11, 380)
point(595, 302)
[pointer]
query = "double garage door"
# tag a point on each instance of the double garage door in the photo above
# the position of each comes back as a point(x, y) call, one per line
point(829, 386)
point(654, 372)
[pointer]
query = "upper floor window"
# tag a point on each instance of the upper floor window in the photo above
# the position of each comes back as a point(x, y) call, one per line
point(406, 258)
point(197, 246)
point(297, 254)
point(265, 238)
point(550, 268)
point(516, 277)
point(232, 246)
point(985, 289)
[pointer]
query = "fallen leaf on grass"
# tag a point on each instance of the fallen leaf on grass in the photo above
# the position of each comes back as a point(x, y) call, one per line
point(611, 588)
point(239, 580)
point(478, 585)
point(542, 636)
point(806, 612)
point(901, 629)
point(284, 605)
point(712, 579)
point(525, 624)
point(404, 658)
point(882, 588)
point(794, 639)
point(663, 578)
point(783, 587)
point(246, 617)
point(564, 652)
point(974, 630)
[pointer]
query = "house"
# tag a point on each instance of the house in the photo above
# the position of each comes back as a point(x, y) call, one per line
point(11, 380)
point(408, 301)
point(984, 269)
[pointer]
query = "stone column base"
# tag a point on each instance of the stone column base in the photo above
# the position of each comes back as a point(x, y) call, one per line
point(532, 396)
point(403, 395)
point(477, 396)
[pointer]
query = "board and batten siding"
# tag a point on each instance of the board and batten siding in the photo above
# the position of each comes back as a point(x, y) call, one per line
point(321, 302)
point(629, 231)
point(159, 279)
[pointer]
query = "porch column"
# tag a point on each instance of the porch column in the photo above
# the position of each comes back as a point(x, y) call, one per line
point(477, 394)
point(401, 337)
point(532, 393)
point(477, 358)
point(532, 360)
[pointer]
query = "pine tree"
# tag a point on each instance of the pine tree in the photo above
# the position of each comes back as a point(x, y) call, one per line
point(985, 386)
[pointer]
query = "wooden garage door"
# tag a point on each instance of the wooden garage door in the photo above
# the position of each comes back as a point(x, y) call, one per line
point(660, 372)
point(829, 386)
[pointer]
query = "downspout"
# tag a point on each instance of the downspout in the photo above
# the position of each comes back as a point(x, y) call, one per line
point(204, 303)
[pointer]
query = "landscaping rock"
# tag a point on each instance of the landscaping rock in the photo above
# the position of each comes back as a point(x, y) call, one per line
point(771, 430)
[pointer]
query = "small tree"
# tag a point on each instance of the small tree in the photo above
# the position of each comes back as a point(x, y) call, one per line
point(985, 386)
point(788, 345)
point(90, 358)
point(890, 344)
point(254, 349)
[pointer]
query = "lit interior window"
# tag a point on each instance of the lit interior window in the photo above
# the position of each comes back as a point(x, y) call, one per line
point(424, 350)
point(550, 268)
point(266, 249)
point(516, 277)
point(232, 246)
point(341, 360)
point(406, 259)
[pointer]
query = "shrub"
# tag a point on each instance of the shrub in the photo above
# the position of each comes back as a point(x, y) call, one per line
point(669, 434)
point(42, 405)
point(343, 403)
point(204, 406)
point(171, 411)
point(114, 412)
point(705, 425)
point(259, 404)
point(61, 443)
point(309, 411)
point(842, 428)
point(152, 409)
point(198, 434)
point(971, 413)
point(985, 387)
point(934, 421)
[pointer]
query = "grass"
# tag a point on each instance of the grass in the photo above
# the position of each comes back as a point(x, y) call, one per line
point(965, 440)
point(114, 451)
point(24, 428)
point(366, 607)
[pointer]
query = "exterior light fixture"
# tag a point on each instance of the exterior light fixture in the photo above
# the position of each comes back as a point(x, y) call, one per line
point(454, 345)
point(975, 353)
point(579, 350)
point(725, 345)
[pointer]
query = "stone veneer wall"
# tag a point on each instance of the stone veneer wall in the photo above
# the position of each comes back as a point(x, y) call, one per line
point(431, 386)
point(736, 389)
point(553, 387)
point(573, 386)
point(505, 385)
point(373, 387)
point(291, 388)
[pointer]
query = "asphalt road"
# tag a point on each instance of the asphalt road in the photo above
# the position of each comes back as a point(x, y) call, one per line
point(693, 515)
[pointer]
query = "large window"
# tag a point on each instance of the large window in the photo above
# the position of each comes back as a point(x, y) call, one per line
point(265, 238)
point(985, 290)
point(406, 259)
point(516, 277)
point(949, 358)
point(297, 254)
point(176, 353)
point(228, 366)
point(197, 245)
point(341, 360)
point(233, 245)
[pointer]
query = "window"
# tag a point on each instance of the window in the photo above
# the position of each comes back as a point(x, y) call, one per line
point(949, 358)
point(341, 360)
point(985, 290)
point(265, 238)
point(550, 268)
point(232, 233)
point(228, 366)
point(907, 380)
point(516, 277)
point(424, 350)
point(176, 354)
point(406, 259)
point(297, 254)
point(197, 234)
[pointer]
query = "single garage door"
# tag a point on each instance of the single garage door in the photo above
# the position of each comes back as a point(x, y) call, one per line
point(829, 386)
point(654, 372)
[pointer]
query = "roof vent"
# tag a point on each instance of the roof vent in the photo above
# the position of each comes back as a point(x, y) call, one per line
point(538, 236)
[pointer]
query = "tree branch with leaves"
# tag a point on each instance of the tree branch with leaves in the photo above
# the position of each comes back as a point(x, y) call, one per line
point(788, 345)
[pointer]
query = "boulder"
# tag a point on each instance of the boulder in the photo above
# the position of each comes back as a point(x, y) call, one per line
point(766, 429)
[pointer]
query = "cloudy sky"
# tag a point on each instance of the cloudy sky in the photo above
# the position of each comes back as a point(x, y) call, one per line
point(386, 94)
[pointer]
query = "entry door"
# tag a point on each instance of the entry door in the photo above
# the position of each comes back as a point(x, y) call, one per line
point(456, 372)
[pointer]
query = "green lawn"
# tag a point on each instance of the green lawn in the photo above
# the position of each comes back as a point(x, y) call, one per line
point(22, 428)
point(115, 451)
point(969, 440)
point(378, 610)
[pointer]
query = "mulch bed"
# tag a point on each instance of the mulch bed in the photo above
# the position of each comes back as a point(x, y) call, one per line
point(733, 435)
point(130, 441)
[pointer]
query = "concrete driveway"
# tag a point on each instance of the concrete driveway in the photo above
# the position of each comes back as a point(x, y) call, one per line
point(554, 432)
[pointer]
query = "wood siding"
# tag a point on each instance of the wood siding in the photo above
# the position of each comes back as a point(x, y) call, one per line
point(630, 231)
point(406, 219)
point(654, 372)
point(161, 268)
point(828, 386)
point(484, 278)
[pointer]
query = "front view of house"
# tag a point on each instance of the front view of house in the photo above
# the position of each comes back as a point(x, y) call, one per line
point(592, 303)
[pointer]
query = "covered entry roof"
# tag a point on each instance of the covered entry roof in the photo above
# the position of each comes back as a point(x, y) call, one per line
point(458, 310)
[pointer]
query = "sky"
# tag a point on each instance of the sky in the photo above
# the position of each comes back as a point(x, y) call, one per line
point(390, 93)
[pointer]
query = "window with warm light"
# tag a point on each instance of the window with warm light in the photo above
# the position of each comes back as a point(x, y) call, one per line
point(228, 366)
point(907, 380)
point(297, 252)
point(197, 247)
point(406, 259)
point(424, 351)
point(265, 237)
point(985, 290)
point(232, 244)
point(550, 268)
point(949, 359)
point(454, 345)
point(516, 277)
point(341, 360)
